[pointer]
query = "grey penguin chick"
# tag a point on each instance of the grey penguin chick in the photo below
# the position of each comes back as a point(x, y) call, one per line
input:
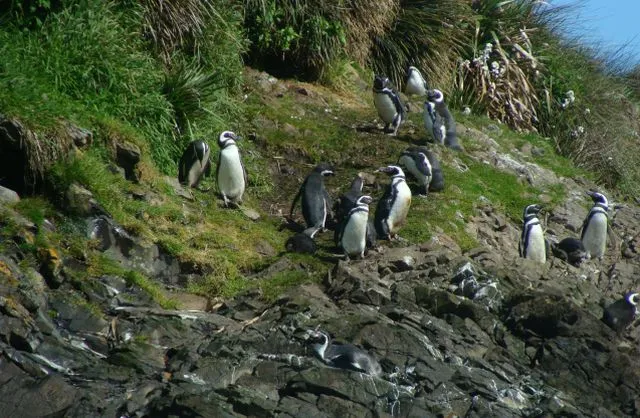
point(595, 226)
point(388, 104)
point(451, 135)
point(393, 206)
point(316, 203)
point(570, 250)
point(194, 163)
point(343, 356)
point(621, 313)
point(532, 244)
point(303, 242)
point(230, 173)
point(415, 83)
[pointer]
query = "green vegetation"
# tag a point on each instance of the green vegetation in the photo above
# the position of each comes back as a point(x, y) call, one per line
point(159, 74)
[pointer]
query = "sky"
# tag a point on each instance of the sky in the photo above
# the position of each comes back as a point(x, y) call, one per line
point(610, 22)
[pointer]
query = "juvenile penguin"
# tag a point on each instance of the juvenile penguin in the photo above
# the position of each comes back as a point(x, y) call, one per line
point(594, 228)
point(437, 177)
point(621, 313)
point(230, 174)
point(316, 203)
point(343, 356)
point(387, 102)
point(433, 123)
point(194, 163)
point(532, 244)
point(415, 85)
point(451, 137)
point(303, 242)
point(418, 165)
point(393, 207)
point(353, 232)
point(571, 250)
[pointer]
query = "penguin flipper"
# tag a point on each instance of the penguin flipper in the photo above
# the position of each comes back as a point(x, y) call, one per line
point(182, 171)
point(207, 168)
point(218, 169)
point(295, 200)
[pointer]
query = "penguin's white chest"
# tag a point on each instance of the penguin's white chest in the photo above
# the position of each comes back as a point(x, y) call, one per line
point(535, 245)
point(385, 106)
point(354, 236)
point(399, 207)
point(231, 173)
point(415, 85)
point(595, 235)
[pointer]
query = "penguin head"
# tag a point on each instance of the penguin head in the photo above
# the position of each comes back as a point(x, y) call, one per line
point(632, 298)
point(392, 170)
point(227, 138)
point(531, 210)
point(435, 96)
point(380, 82)
point(357, 184)
point(325, 169)
point(411, 70)
point(599, 198)
point(364, 200)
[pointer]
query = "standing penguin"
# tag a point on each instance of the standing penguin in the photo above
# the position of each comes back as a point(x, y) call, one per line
point(353, 232)
point(316, 203)
point(347, 200)
point(451, 137)
point(230, 174)
point(433, 123)
point(418, 165)
point(393, 207)
point(594, 228)
point(621, 313)
point(415, 85)
point(194, 163)
point(532, 244)
point(388, 104)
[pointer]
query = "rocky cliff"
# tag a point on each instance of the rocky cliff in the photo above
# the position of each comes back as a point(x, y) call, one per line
point(459, 329)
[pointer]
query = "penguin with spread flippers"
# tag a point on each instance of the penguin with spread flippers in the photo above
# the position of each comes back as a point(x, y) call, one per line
point(621, 313)
point(595, 226)
point(532, 244)
point(393, 207)
point(415, 84)
point(352, 237)
point(194, 164)
point(451, 137)
point(343, 356)
point(388, 104)
point(230, 173)
point(316, 204)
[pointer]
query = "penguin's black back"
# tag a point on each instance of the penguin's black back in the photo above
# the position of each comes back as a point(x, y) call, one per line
point(619, 315)
point(313, 200)
point(301, 243)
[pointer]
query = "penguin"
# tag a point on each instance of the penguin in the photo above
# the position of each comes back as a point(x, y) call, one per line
point(594, 228)
point(303, 242)
point(194, 164)
point(415, 85)
point(348, 199)
point(451, 137)
point(353, 232)
point(532, 244)
point(393, 207)
point(418, 165)
point(437, 176)
point(230, 173)
point(387, 102)
point(316, 203)
point(433, 123)
point(343, 356)
point(570, 250)
point(621, 313)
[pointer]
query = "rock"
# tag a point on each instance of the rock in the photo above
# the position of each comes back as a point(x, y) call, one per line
point(51, 267)
point(127, 157)
point(250, 213)
point(81, 137)
point(177, 188)
point(8, 196)
point(80, 201)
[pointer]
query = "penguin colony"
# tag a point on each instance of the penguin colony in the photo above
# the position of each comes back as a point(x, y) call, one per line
point(356, 231)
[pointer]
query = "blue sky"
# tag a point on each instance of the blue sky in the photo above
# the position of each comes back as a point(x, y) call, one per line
point(610, 22)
